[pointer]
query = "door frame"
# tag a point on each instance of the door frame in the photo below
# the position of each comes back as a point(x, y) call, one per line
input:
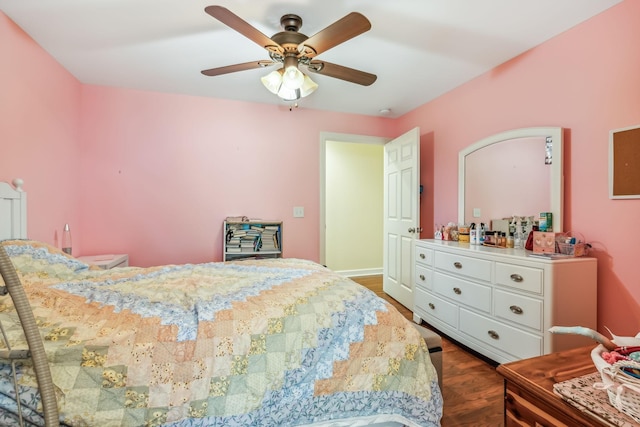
point(337, 137)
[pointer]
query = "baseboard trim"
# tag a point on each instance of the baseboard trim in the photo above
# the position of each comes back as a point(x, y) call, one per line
point(360, 273)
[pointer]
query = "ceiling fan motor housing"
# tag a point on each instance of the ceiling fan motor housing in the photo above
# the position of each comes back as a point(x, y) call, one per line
point(289, 40)
point(291, 22)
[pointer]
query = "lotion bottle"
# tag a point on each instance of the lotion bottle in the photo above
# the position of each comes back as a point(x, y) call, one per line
point(473, 234)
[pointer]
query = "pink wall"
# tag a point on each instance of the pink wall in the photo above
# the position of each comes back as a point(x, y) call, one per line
point(587, 81)
point(154, 174)
point(161, 172)
point(39, 125)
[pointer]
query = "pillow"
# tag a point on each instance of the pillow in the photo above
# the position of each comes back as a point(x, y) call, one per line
point(31, 257)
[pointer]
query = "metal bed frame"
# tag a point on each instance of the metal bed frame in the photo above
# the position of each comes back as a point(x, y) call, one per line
point(13, 207)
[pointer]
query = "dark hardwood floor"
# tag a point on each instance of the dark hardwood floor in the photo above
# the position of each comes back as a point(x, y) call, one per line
point(472, 390)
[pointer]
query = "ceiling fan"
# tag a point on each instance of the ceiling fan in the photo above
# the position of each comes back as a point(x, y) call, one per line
point(293, 49)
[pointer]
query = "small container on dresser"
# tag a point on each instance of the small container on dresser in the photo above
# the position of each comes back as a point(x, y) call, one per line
point(501, 302)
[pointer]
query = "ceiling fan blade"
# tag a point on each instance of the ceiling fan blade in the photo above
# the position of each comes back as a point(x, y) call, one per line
point(340, 31)
point(343, 73)
point(237, 67)
point(233, 21)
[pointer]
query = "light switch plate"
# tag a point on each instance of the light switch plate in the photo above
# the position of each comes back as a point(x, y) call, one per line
point(298, 212)
point(476, 212)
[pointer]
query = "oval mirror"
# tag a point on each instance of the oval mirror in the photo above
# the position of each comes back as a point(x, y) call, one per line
point(517, 172)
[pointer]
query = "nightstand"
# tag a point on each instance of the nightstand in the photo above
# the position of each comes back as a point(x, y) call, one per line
point(530, 399)
point(106, 262)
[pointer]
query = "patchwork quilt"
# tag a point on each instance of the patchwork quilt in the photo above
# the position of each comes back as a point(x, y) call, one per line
point(274, 342)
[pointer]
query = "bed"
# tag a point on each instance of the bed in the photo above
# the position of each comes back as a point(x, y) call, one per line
point(274, 342)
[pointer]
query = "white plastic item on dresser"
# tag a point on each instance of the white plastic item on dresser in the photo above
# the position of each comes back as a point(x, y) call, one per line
point(106, 262)
point(501, 302)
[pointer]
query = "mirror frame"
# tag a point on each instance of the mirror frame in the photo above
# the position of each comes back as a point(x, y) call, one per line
point(556, 192)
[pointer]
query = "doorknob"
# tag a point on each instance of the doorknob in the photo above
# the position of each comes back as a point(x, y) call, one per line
point(411, 230)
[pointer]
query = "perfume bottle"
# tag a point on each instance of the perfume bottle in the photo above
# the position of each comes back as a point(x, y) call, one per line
point(66, 239)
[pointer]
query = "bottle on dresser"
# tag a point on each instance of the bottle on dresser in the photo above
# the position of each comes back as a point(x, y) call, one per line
point(489, 238)
point(510, 241)
point(518, 233)
point(517, 238)
point(66, 239)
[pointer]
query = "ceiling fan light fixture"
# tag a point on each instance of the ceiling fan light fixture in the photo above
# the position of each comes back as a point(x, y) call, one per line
point(308, 87)
point(274, 84)
point(292, 77)
point(273, 81)
point(287, 94)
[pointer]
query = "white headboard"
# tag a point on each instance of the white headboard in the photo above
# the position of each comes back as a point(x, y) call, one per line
point(13, 211)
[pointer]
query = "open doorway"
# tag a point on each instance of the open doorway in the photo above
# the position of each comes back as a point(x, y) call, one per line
point(351, 209)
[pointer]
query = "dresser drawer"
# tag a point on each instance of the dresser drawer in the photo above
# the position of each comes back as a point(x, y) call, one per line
point(424, 255)
point(519, 309)
point(423, 277)
point(437, 307)
point(462, 291)
point(520, 411)
point(478, 269)
point(519, 277)
point(506, 339)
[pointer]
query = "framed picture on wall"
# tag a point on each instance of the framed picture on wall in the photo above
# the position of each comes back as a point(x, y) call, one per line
point(624, 163)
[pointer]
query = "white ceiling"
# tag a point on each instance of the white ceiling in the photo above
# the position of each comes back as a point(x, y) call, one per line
point(419, 49)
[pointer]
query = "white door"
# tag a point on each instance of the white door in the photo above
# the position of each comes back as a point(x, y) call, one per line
point(401, 214)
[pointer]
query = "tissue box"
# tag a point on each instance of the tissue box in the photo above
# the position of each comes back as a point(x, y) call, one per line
point(544, 242)
point(545, 221)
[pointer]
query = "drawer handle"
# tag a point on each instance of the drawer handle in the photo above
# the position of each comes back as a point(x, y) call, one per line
point(422, 277)
point(515, 309)
point(457, 291)
point(516, 278)
point(494, 335)
point(431, 306)
point(457, 265)
point(422, 256)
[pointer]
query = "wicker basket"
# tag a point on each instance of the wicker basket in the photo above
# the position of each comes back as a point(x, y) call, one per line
point(578, 249)
point(622, 389)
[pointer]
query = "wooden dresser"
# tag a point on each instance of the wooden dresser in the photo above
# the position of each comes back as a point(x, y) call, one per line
point(501, 302)
point(529, 396)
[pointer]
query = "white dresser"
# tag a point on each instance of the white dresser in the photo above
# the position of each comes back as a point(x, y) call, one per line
point(501, 302)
